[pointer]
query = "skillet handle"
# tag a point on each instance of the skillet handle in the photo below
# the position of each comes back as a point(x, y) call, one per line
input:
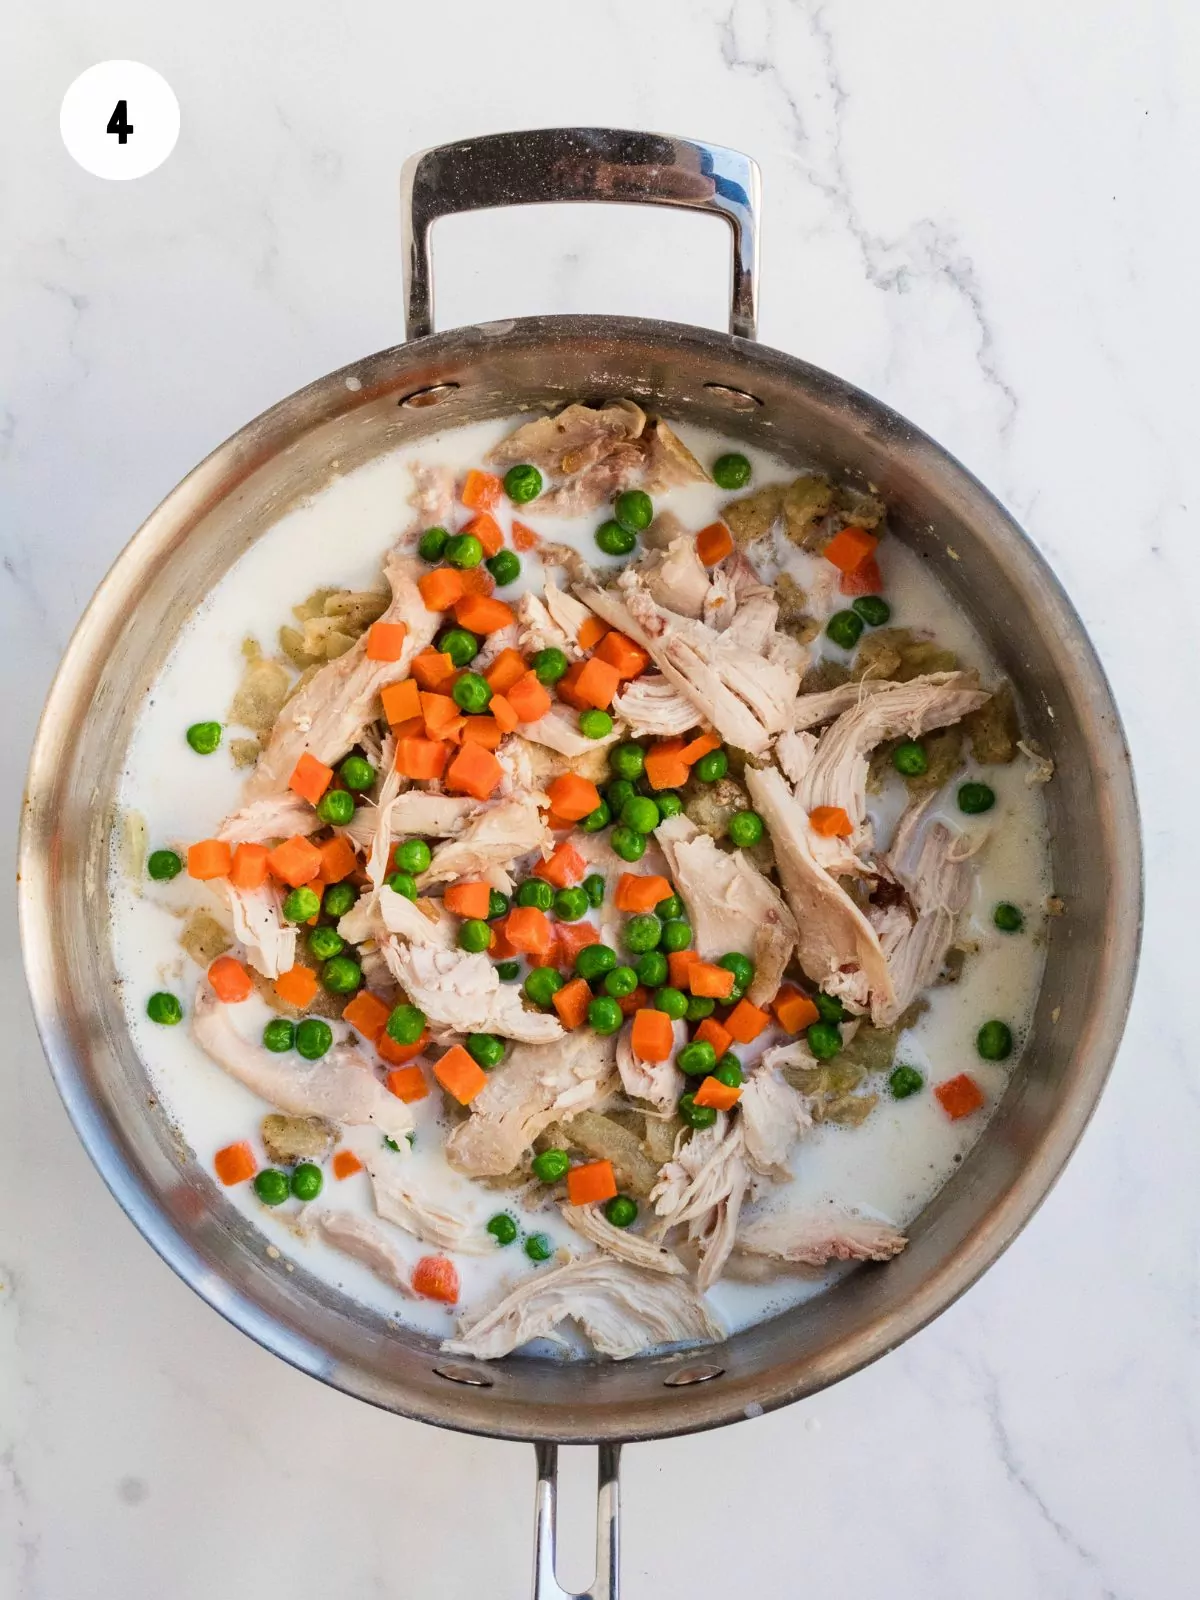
point(604, 1586)
point(573, 164)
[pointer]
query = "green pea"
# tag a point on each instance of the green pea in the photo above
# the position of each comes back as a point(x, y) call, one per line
point(873, 609)
point(164, 1009)
point(164, 865)
point(652, 969)
point(615, 540)
point(403, 883)
point(550, 1165)
point(414, 855)
point(745, 829)
point(604, 1014)
point(540, 987)
point(669, 804)
point(474, 936)
point(204, 737)
point(728, 1071)
point(844, 628)
point(620, 982)
point(307, 1181)
point(462, 647)
point(357, 773)
point(669, 908)
point(406, 1024)
point(642, 933)
point(486, 1049)
point(695, 1116)
point(824, 1040)
point(571, 904)
point(313, 1038)
point(697, 1059)
point(731, 471)
point(743, 972)
point(628, 843)
point(905, 1081)
point(595, 724)
point(594, 887)
point(634, 510)
point(594, 960)
point(1008, 918)
point(639, 813)
point(549, 665)
point(672, 1002)
point(471, 693)
point(505, 567)
point(712, 767)
point(522, 484)
point(994, 1041)
point(538, 1247)
point(498, 904)
point(432, 544)
point(909, 758)
point(621, 1210)
point(340, 975)
point(627, 760)
point(271, 1186)
point(536, 892)
point(336, 806)
point(699, 1007)
point(502, 1228)
point(325, 943)
point(338, 899)
point(301, 905)
point(974, 798)
point(829, 1007)
point(508, 970)
point(595, 820)
point(464, 550)
point(676, 934)
point(279, 1035)
point(617, 793)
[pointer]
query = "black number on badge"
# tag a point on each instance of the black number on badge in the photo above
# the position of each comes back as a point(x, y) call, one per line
point(119, 122)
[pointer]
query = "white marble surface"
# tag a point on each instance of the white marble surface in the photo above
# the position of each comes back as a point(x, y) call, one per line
point(984, 213)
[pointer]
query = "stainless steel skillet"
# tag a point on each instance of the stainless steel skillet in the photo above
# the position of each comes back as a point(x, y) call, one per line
point(395, 397)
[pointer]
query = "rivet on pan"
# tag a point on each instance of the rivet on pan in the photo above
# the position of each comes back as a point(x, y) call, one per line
point(686, 1375)
point(735, 399)
point(464, 1374)
point(433, 396)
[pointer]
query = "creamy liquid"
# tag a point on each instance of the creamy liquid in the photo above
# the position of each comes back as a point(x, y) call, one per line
point(891, 1165)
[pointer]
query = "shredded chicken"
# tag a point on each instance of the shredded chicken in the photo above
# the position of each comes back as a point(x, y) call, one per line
point(559, 730)
point(704, 1185)
point(669, 462)
point(258, 925)
point(813, 1240)
point(537, 629)
point(366, 1243)
point(402, 1196)
point(491, 842)
point(634, 1248)
point(652, 705)
point(276, 816)
point(659, 1082)
point(773, 1116)
point(587, 453)
point(676, 577)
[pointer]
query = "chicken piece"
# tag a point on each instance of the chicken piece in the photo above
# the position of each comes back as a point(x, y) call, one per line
point(420, 922)
point(401, 1190)
point(669, 462)
point(731, 906)
point(676, 577)
point(652, 706)
point(837, 947)
point(363, 920)
point(622, 1311)
point(773, 1116)
point(327, 716)
point(291, 1139)
point(340, 1087)
point(559, 730)
point(365, 1242)
point(576, 566)
point(661, 533)
point(567, 613)
point(463, 992)
point(432, 497)
point(813, 709)
point(635, 1248)
point(537, 630)
point(277, 816)
point(537, 1085)
point(704, 1185)
point(659, 1082)
point(258, 925)
point(495, 645)
point(813, 1240)
point(576, 438)
point(494, 838)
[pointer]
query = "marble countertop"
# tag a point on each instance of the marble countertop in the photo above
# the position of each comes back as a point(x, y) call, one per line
point(983, 214)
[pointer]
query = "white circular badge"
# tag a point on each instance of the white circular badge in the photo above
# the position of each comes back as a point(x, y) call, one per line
point(120, 119)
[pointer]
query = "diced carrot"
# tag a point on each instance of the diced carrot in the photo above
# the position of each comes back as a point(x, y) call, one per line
point(230, 980)
point(488, 531)
point(959, 1097)
point(296, 861)
point(460, 1075)
point(591, 1183)
point(572, 1002)
point(439, 711)
point(591, 631)
point(440, 588)
point(558, 824)
point(410, 728)
point(574, 937)
point(679, 964)
point(452, 733)
point(338, 860)
point(385, 641)
point(433, 669)
point(298, 986)
point(653, 1036)
point(551, 957)
point(715, 1033)
point(420, 758)
point(865, 579)
point(638, 891)
point(572, 797)
point(850, 548)
point(631, 1004)
point(619, 651)
point(529, 930)
point(248, 869)
point(529, 698)
point(503, 714)
point(794, 1011)
point(714, 543)
point(210, 858)
point(345, 1164)
point(399, 1055)
point(665, 769)
point(481, 730)
point(508, 667)
point(474, 771)
point(235, 1163)
point(524, 537)
point(703, 744)
point(481, 490)
point(468, 899)
point(567, 687)
point(597, 683)
point(401, 701)
point(715, 983)
point(478, 580)
point(436, 1278)
point(500, 949)
point(564, 866)
point(310, 778)
point(831, 822)
point(368, 1013)
point(719, 1096)
point(482, 614)
point(746, 1021)
point(407, 1083)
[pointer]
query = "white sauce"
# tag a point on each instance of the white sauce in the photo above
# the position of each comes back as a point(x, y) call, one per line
point(892, 1165)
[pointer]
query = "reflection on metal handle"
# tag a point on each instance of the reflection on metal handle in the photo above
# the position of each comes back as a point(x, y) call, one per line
point(605, 1584)
point(548, 164)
